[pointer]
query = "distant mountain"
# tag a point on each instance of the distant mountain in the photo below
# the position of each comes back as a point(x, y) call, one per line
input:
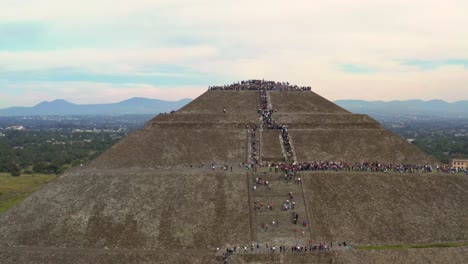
point(131, 106)
point(437, 108)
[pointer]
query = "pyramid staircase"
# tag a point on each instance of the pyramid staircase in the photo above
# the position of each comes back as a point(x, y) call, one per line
point(271, 223)
point(283, 232)
point(280, 210)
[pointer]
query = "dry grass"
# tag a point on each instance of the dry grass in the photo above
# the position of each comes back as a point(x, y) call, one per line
point(14, 190)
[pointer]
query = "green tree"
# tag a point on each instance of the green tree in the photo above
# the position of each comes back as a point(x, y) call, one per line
point(39, 167)
point(14, 170)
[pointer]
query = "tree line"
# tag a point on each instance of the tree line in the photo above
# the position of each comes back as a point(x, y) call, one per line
point(51, 152)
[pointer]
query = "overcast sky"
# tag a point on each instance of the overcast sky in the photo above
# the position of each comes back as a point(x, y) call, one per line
point(90, 51)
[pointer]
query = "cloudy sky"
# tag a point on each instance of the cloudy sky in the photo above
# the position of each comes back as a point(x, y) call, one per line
point(90, 51)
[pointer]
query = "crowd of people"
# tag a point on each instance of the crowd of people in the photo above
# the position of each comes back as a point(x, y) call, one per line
point(286, 142)
point(266, 112)
point(253, 146)
point(450, 169)
point(358, 166)
point(282, 249)
point(258, 85)
point(294, 168)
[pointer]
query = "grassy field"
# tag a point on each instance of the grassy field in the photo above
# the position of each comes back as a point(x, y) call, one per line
point(14, 190)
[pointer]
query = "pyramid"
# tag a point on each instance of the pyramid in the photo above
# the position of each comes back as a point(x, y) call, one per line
point(180, 190)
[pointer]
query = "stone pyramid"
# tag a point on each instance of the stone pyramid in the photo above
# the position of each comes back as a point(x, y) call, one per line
point(181, 187)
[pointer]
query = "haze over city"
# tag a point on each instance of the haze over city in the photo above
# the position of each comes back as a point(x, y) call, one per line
point(107, 51)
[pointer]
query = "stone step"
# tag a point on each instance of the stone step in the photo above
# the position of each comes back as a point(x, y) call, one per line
point(286, 238)
point(263, 258)
point(289, 238)
point(267, 175)
point(276, 181)
point(284, 231)
point(278, 202)
point(281, 219)
point(278, 190)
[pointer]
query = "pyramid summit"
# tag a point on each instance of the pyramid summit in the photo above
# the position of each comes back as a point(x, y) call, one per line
point(213, 128)
point(259, 167)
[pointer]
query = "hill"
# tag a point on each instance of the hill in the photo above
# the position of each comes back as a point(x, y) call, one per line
point(130, 106)
point(437, 108)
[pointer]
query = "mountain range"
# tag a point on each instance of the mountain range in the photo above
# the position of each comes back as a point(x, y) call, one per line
point(135, 105)
point(437, 108)
point(140, 105)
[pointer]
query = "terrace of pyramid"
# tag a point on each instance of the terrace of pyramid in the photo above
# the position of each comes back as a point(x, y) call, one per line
point(191, 185)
